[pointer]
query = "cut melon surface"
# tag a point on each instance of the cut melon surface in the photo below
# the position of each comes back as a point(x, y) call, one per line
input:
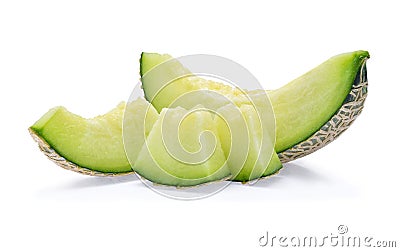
point(301, 107)
point(305, 104)
point(95, 143)
point(182, 149)
point(247, 143)
point(138, 121)
point(167, 83)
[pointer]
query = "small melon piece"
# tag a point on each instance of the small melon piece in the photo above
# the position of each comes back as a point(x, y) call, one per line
point(167, 83)
point(182, 149)
point(166, 79)
point(139, 118)
point(96, 143)
point(247, 141)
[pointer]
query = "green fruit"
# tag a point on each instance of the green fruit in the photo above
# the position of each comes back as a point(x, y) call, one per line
point(138, 121)
point(303, 108)
point(183, 149)
point(179, 147)
point(188, 145)
point(305, 104)
point(248, 145)
point(170, 84)
point(91, 146)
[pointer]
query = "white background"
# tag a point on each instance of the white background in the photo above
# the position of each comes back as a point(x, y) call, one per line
point(84, 55)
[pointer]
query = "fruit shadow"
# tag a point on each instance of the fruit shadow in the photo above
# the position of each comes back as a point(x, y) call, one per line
point(291, 171)
point(102, 181)
point(190, 192)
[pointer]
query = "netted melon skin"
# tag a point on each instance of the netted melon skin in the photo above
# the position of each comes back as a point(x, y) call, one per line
point(340, 121)
point(62, 162)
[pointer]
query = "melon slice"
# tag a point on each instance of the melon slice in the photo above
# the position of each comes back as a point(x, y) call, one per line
point(92, 146)
point(302, 108)
point(170, 84)
point(247, 142)
point(183, 149)
point(305, 104)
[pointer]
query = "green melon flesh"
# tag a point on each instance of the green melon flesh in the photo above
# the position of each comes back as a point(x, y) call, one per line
point(95, 143)
point(305, 104)
point(182, 149)
point(301, 107)
point(169, 84)
point(162, 75)
point(248, 145)
point(139, 118)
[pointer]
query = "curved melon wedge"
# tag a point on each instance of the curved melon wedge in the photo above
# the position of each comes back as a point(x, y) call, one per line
point(352, 103)
point(311, 111)
point(90, 146)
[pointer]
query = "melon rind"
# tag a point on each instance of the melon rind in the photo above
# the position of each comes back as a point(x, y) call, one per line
point(339, 122)
point(54, 156)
